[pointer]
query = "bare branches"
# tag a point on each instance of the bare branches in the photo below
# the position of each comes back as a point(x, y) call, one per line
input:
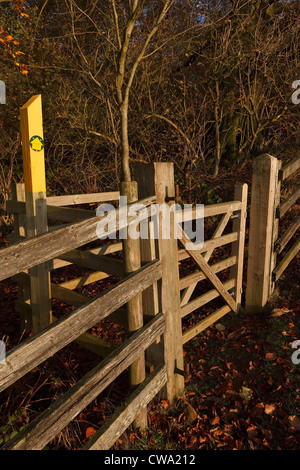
point(135, 8)
point(116, 20)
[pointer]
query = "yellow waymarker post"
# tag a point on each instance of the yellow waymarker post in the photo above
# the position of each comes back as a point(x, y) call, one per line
point(36, 205)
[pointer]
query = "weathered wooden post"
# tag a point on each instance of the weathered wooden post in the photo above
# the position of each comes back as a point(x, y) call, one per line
point(158, 179)
point(132, 262)
point(239, 226)
point(264, 200)
point(36, 206)
point(18, 194)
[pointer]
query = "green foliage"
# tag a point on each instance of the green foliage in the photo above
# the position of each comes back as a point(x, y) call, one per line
point(12, 427)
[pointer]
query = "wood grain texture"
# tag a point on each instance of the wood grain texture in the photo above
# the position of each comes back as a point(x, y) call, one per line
point(46, 247)
point(186, 295)
point(205, 298)
point(262, 215)
point(38, 348)
point(111, 266)
point(159, 177)
point(132, 262)
point(238, 247)
point(289, 169)
point(211, 276)
point(290, 255)
point(123, 417)
point(210, 245)
point(199, 275)
point(214, 209)
point(203, 324)
point(288, 234)
point(48, 424)
point(31, 121)
point(289, 202)
point(72, 199)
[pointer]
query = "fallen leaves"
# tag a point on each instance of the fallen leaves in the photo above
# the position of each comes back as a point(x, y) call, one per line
point(189, 412)
point(215, 421)
point(165, 404)
point(240, 390)
point(294, 422)
point(270, 409)
point(271, 356)
point(277, 312)
point(246, 393)
point(252, 431)
point(90, 432)
point(220, 327)
point(132, 437)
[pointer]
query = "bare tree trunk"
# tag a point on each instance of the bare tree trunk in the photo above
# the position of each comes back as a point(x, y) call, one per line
point(126, 176)
point(218, 143)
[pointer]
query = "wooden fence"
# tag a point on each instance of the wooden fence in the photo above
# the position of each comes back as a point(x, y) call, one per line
point(154, 351)
point(49, 340)
point(158, 280)
point(36, 249)
point(230, 291)
point(266, 211)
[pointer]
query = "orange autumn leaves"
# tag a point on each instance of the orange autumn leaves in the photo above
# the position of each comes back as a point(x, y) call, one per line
point(20, 7)
point(90, 432)
point(10, 43)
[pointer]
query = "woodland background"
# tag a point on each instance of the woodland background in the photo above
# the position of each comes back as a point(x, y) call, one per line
point(212, 91)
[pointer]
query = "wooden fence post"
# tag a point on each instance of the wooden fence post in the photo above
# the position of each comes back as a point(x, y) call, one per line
point(132, 262)
point(275, 230)
point(239, 226)
point(36, 205)
point(18, 194)
point(264, 197)
point(158, 179)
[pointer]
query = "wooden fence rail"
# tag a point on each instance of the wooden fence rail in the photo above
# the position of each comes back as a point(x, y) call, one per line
point(62, 245)
point(289, 169)
point(230, 291)
point(38, 348)
point(41, 430)
point(150, 298)
point(265, 214)
point(146, 298)
point(73, 326)
point(48, 246)
point(105, 437)
point(74, 199)
point(37, 250)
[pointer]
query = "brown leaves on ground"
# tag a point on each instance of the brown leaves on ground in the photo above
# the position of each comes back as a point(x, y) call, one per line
point(294, 422)
point(270, 409)
point(90, 432)
point(271, 356)
point(242, 386)
point(242, 389)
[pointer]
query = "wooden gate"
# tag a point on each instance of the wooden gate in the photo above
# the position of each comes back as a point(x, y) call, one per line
point(153, 179)
point(231, 290)
point(36, 250)
point(267, 210)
